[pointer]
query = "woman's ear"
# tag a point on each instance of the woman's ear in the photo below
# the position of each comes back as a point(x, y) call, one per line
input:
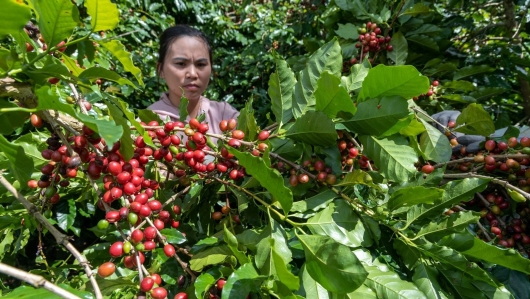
point(159, 70)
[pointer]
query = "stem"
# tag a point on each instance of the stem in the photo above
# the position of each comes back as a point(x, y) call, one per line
point(59, 237)
point(493, 180)
point(472, 159)
point(36, 281)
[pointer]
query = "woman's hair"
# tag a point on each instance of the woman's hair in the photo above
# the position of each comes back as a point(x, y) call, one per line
point(173, 33)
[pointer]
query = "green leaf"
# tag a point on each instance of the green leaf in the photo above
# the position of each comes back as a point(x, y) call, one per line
point(314, 203)
point(107, 129)
point(460, 85)
point(425, 278)
point(314, 128)
point(409, 196)
point(387, 284)
point(281, 87)
point(117, 49)
point(71, 65)
point(310, 289)
point(460, 284)
point(341, 223)
point(211, 256)
point(284, 275)
point(426, 29)
point(331, 264)
point(418, 8)
point(472, 70)
point(9, 121)
point(515, 281)
point(473, 247)
point(272, 238)
point(327, 58)
point(356, 77)
point(244, 280)
point(425, 41)
point(484, 93)
point(348, 31)
point(434, 145)
point(232, 243)
point(447, 225)
point(126, 142)
point(456, 260)
point(5, 245)
point(20, 164)
point(14, 15)
point(392, 155)
point(331, 97)
point(183, 108)
point(28, 292)
point(378, 116)
point(206, 280)
point(173, 236)
point(57, 19)
point(96, 72)
point(355, 177)
point(400, 49)
point(269, 178)
point(65, 212)
point(104, 14)
point(403, 80)
point(474, 120)
point(246, 122)
point(454, 192)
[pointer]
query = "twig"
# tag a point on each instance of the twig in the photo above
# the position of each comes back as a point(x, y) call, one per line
point(486, 234)
point(472, 159)
point(172, 198)
point(487, 205)
point(182, 263)
point(433, 120)
point(493, 180)
point(59, 237)
point(36, 281)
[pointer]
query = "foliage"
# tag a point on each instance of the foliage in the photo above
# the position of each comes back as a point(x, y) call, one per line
point(335, 206)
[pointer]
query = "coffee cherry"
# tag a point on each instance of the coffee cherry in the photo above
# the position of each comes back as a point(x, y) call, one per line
point(490, 145)
point(32, 184)
point(159, 293)
point(183, 295)
point(36, 121)
point(157, 278)
point(232, 123)
point(137, 236)
point(103, 224)
point(331, 179)
point(106, 269)
point(169, 250)
point(502, 145)
point(238, 134)
point(512, 142)
point(217, 216)
point(112, 216)
point(427, 168)
point(220, 284)
point(149, 245)
point(263, 135)
point(116, 249)
point(149, 233)
point(147, 284)
point(177, 210)
point(303, 178)
point(293, 180)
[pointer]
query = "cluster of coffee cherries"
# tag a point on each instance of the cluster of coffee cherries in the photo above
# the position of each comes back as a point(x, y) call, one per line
point(430, 93)
point(508, 227)
point(371, 41)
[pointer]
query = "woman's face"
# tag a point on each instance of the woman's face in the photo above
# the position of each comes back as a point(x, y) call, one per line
point(187, 68)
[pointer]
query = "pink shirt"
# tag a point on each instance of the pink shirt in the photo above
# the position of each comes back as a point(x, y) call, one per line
point(214, 111)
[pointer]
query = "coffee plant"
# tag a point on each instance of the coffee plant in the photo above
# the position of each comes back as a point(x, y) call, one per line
point(351, 189)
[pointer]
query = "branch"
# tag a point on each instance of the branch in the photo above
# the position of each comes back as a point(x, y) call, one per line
point(36, 281)
point(493, 180)
point(59, 237)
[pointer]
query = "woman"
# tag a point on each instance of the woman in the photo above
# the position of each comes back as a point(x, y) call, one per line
point(185, 62)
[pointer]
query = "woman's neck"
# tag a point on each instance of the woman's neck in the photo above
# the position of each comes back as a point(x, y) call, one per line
point(193, 105)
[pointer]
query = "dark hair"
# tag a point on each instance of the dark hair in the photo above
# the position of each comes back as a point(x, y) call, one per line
point(173, 33)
